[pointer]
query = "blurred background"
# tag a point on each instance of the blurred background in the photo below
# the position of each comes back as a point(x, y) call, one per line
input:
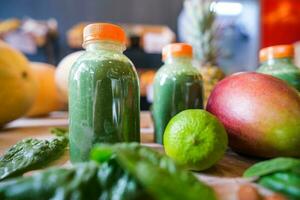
point(47, 31)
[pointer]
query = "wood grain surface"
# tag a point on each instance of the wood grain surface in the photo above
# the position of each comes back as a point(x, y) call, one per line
point(225, 176)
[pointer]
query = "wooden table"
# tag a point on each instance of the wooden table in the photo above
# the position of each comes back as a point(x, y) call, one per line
point(224, 177)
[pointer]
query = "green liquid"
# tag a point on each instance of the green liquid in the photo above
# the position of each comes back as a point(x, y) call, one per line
point(176, 88)
point(283, 69)
point(103, 103)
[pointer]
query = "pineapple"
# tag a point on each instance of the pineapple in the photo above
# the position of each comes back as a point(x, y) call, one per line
point(201, 34)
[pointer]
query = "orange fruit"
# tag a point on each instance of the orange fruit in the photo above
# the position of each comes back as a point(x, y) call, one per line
point(47, 98)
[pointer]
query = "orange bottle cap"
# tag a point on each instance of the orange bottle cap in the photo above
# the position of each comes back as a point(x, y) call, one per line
point(104, 31)
point(177, 50)
point(279, 51)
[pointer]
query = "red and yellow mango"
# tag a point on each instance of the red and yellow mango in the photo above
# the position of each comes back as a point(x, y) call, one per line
point(260, 113)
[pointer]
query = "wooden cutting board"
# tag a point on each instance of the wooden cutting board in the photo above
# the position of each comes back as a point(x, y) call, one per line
point(224, 177)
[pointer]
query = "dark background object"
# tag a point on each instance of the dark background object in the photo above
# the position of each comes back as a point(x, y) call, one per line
point(70, 12)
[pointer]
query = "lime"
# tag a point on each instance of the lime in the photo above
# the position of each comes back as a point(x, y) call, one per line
point(195, 139)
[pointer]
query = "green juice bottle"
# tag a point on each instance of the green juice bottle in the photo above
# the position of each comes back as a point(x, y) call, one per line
point(278, 61)
point(177, 86)
point(104, 98)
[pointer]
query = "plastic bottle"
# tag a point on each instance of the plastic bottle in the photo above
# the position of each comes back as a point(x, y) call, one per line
point(278, 61)
point(104, 98)
point(177, 86)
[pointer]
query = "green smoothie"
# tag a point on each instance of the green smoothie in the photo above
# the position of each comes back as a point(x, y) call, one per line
point(278, 61)
point(282, 68)
point(104, 100)
point(177, 87)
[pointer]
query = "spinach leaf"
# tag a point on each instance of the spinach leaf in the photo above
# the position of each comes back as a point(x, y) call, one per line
point(118, 184)
point(78, 182)
point(287, 183)
point(125, 172)
point(82, 181)
point(280, 175)
point(30, 154)
point(60, 132)
point(273, 165)
point(157, 173)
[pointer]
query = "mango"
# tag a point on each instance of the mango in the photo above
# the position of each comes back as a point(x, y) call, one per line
point(261, 114)
point(17, 84)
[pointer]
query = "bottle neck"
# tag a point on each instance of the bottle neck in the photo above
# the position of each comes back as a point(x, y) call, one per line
point(104, 45)
point(287, 60)
point(179, 60)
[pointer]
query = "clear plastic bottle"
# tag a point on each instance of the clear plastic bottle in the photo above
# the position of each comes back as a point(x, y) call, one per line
point(278, 61)
point(104, 99)
point(177, 86)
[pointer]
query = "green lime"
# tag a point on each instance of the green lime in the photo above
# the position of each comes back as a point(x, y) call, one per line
point(195, 139)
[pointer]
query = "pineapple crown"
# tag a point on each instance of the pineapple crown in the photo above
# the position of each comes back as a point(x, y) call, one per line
point(201, 31)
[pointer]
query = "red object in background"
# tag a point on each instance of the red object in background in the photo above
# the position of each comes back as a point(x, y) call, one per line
point(280, 22)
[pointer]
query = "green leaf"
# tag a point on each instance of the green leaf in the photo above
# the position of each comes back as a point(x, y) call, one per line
point(60, 132)
point(82, 181)
point(78, 182)
point(286, 183)
point(159, 175)
point(131, 172)
point(271, 166)
point(30, 154)
point(117, 183)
